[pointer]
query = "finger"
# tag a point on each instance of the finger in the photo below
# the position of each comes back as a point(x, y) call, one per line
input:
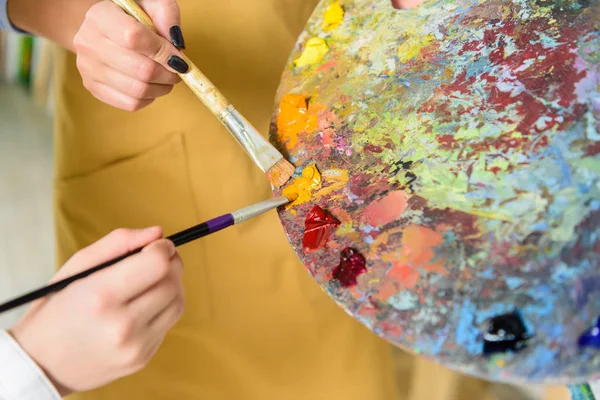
point(135, 275)
point(126, 61)
point(166, 16)
point(113, 97)
point(168, 317)
point(136, 37)
point(130, 86)
point(151, 303)
point(115, 244)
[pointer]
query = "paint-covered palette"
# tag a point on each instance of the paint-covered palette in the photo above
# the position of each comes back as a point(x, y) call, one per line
point(457, 177)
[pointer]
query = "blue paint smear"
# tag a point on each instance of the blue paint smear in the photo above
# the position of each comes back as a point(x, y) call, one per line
point(488, 274)
point(433, 345)
point(567, 179)
point(368, 228)
point(583, 188)
point(542, 307)
point(541, 226)
point(513, 282)
point(541, 361)
point(467, 334)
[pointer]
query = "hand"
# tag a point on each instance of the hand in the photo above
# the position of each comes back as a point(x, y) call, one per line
point(125, 64)
point(110, 324)
point(403, 4)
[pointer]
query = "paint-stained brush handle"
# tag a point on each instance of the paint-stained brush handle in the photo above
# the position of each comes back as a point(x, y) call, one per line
point(262, 153)
point(202, 87)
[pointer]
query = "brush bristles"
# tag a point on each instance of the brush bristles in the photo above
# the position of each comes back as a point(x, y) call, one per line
point(280, 172)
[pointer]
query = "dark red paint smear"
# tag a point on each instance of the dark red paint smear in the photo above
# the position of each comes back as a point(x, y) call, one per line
point(318, 227)
point(352, 264)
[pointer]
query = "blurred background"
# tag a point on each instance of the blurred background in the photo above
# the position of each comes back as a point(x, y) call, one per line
point(26, 237)
point(26, 174)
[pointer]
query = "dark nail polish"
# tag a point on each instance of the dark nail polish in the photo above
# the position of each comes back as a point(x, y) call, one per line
point(178, 64)
point(177, 37)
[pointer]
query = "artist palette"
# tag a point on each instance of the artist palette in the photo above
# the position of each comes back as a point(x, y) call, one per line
point(456, 177)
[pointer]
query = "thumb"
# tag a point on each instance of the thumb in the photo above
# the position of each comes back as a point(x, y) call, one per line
point(166, 17)
point(115, 244)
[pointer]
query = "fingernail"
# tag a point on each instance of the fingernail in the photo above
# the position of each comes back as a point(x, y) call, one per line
point(177, 37)
point(178, 64)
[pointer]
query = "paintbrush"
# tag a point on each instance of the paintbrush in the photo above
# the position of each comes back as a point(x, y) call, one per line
point(263, 153)
point(181, 238)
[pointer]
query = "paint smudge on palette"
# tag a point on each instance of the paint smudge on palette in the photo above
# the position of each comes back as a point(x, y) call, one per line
point(318, 227)
point(459, 146)
point(591, 338)
point(352, 264)
point(505, 333)
point(314, 51)
point(294, 119)
point(333, 16)
point(302, 186)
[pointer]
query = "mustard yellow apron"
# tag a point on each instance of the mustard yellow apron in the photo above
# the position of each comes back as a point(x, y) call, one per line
point(255, 326)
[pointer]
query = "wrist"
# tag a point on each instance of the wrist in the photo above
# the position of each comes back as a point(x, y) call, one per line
point(37, 355)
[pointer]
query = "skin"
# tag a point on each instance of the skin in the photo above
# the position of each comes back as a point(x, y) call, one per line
point(126, 67)
point(117, 317)
point(403, 4)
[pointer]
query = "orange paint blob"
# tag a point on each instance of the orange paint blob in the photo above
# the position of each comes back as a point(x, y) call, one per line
point(386, 210)
point(406, 275)
point(415, 254)
point(294, 118)
point(303, 186)
point(418, 245)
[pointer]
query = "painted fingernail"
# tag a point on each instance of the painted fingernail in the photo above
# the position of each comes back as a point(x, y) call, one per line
point(178, 64)
point(177, 37)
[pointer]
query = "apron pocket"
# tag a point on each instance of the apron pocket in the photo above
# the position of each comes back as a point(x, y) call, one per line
point(150, 188)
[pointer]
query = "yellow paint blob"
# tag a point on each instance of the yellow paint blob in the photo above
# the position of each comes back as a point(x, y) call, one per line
point(413, 46)
point(337, 180)
point(303, 185)
point(294, 118)
point(314, 51)
point(333, 17)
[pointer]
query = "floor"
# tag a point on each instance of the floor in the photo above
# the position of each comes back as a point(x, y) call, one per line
point(26, 237)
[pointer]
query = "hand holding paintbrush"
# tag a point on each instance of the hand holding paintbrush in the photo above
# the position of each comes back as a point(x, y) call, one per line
point(264, 154)
point(179, 239)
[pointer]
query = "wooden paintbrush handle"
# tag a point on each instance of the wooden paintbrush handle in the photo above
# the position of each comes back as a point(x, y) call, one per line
point(194, 78)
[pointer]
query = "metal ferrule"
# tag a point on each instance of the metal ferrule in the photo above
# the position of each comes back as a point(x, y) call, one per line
point(258, 209)
point(258, 148)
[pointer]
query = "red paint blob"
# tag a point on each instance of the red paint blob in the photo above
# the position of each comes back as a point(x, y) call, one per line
point(352, 264)
point(318, 227)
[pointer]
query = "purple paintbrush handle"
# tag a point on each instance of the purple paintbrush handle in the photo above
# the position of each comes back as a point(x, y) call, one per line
point(219, 223)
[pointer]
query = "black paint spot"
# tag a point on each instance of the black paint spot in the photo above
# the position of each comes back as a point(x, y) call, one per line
point(505, 333)
point(404, 166)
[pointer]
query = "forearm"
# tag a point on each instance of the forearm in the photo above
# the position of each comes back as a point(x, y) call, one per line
point(57, 20)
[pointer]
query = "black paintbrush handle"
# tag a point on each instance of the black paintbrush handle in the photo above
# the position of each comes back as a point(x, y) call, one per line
point(178, 239)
